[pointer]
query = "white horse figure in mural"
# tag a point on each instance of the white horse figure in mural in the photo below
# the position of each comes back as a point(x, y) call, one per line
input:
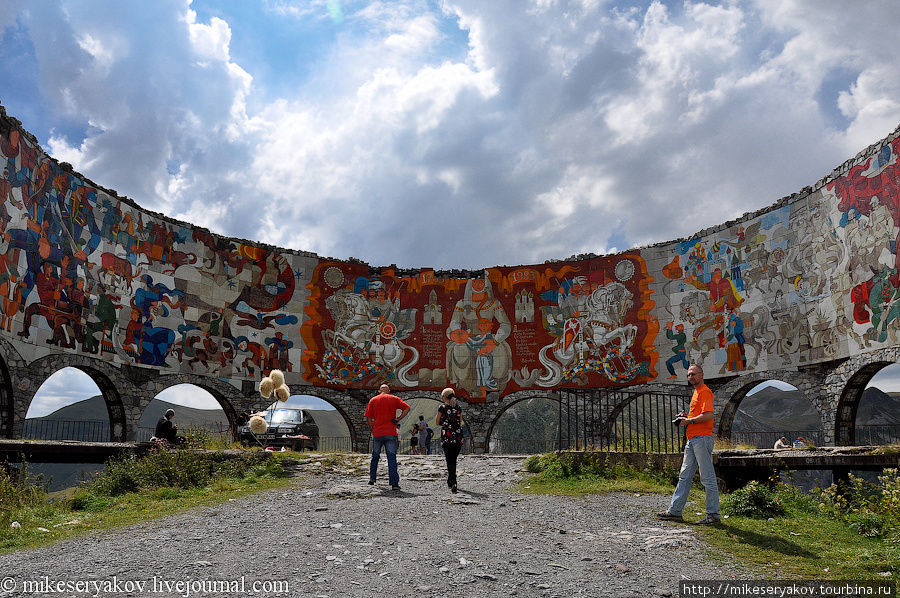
point(377, 340)
point(598, 331)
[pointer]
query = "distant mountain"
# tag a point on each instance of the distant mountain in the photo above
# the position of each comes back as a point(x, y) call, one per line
point(877, 408)
point(94, 409)
point(778, 411)
point(331, 423)
point(774, 410)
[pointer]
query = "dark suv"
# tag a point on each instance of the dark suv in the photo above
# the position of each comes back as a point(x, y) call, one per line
point(284, 425)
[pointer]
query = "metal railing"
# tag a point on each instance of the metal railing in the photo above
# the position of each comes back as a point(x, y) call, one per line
point(865, 436)
point(335, 444)
point(65, 429)
point(621, 420)
point(877, 435)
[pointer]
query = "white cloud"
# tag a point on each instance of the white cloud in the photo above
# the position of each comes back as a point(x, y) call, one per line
point(210, 41)
point(522, 132)
point(64, 387)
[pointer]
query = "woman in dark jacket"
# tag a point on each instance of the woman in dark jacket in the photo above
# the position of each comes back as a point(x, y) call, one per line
point(450, 419)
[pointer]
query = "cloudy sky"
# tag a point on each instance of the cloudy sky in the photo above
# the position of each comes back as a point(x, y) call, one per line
point(452, 133)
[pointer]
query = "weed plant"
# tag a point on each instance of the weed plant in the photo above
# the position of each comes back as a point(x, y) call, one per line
point(132, 490)
point(177, 469)
point(559, 476)
point(872, 509)
point(28, 492)
point(206, 439)
point(754, 500)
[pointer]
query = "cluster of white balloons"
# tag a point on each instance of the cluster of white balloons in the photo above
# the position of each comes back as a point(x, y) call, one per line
point(273, 383)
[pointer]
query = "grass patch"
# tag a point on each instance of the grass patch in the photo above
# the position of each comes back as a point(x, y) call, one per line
point(556, 476)
point(812, 539)
point(132, 491)
point(847, 532)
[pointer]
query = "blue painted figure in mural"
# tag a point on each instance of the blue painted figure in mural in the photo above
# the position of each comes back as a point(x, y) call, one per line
point(679, 349)
point(153, 294)
point(737, 358)
point(151, 343)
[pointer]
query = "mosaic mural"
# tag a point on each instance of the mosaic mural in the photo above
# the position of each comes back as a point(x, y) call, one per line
point(815, 277)
point(571, 323)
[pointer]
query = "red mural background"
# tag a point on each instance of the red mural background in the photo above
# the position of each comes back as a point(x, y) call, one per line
point(582, 323)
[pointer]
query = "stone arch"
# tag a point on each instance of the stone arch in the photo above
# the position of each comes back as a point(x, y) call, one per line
point(639, 393)
point(846, 385)
point(350, 404)
point(728, 396)
point(513, 399)
point(7, 406)
point(10, 362)
point(102, 373)
point(229, 398)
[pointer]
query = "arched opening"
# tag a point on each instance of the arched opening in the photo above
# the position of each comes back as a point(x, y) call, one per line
point(531, 425)
point(642, 422)
point(877, 420)
point(424, 410)
point(773, 409)
point(72, 405)
point(848, 404)
point(198, 414)
point(320, 424)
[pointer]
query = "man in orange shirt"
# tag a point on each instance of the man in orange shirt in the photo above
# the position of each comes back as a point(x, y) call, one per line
point(697, 453)
point(381, 413)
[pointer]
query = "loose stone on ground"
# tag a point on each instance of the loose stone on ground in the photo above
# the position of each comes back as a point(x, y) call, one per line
point(333, 534)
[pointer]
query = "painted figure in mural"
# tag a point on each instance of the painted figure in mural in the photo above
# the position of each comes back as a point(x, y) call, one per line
point(734, 342)
point(883, 303)
point(721, 291)
point(595, 338)
point(484, 361)
point(367, 341)
point(679, 349)
point(278, 352)
point(102, 320)
point(478, 303)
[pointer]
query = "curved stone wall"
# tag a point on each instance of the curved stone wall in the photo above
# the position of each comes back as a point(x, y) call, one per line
point(811, 279)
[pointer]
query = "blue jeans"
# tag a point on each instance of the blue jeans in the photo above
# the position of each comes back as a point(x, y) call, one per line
point(697, 453)
point(390, 447)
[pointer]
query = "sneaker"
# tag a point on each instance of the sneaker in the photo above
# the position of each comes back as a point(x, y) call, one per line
point(710, 520)
point(371, 482)
point(666, 516)
point(453, 488)
point(395, 486)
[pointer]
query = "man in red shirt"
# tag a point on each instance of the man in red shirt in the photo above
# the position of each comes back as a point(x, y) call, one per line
point(381, 413)
point(697, 453)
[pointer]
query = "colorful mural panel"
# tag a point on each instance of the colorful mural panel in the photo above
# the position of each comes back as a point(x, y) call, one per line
point(581, 323)
point(82, 270)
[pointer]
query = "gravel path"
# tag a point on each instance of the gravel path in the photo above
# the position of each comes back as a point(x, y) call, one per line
point(331, 534)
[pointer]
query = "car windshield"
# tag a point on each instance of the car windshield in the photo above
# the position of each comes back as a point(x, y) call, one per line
point(287, 416)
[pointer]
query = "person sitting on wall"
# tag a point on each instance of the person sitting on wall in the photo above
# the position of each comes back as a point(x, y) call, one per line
point(167, 430)
point(782, 444)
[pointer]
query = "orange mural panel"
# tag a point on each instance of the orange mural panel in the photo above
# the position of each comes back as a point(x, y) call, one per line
point(573, 324)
